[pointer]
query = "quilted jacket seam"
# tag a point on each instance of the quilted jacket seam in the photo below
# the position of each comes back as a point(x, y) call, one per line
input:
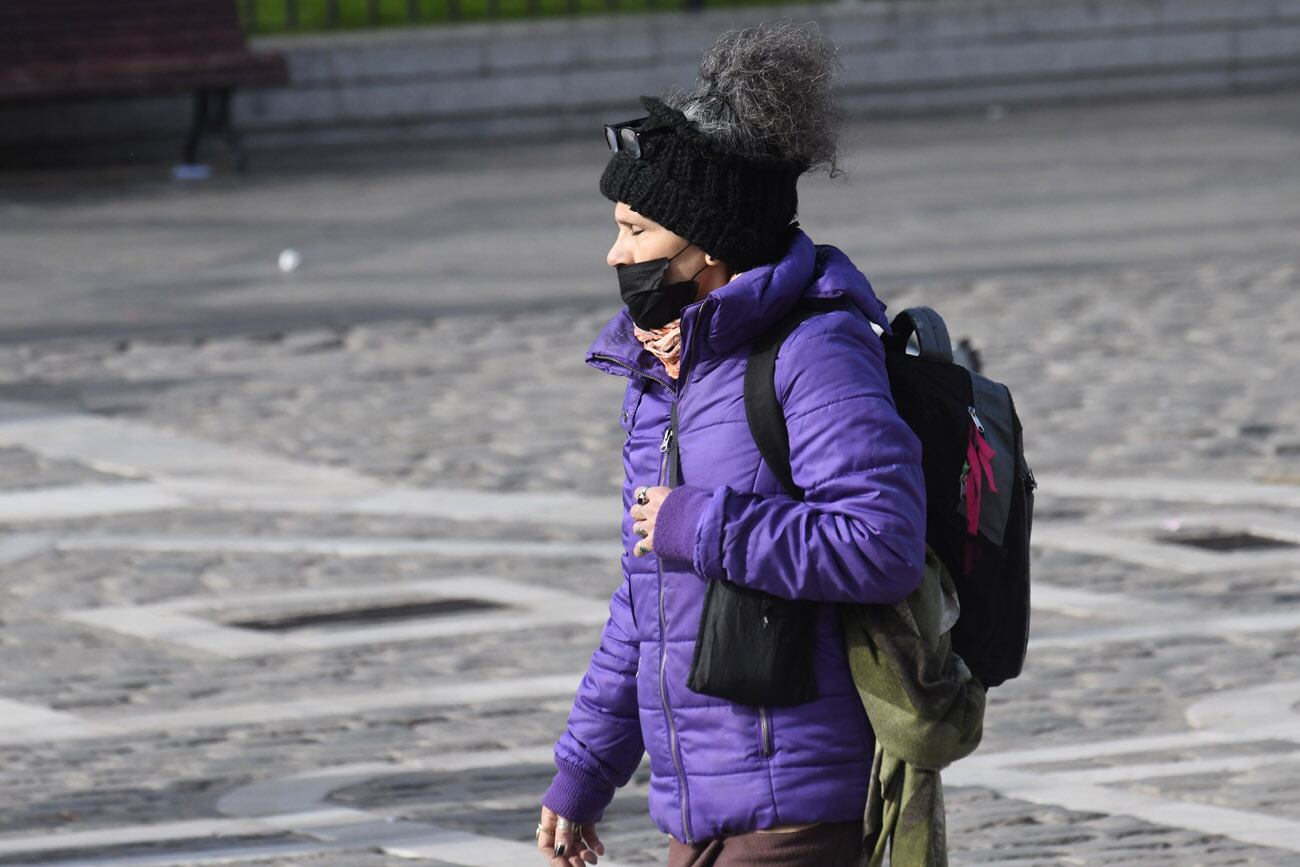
point(836, 402)
point(879, 468)
point(782, 766)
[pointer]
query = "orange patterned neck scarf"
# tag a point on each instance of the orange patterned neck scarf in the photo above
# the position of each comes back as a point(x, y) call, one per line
point(664, 344)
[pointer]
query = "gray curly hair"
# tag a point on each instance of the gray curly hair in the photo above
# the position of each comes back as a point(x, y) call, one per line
point(766, 91)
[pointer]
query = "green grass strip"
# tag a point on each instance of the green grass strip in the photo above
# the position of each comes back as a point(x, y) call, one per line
point(314, 16)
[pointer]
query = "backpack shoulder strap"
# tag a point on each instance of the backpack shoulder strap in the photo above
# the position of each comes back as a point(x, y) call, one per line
point(762, 407)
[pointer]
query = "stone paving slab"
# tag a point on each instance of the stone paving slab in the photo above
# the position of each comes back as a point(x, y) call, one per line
point(1247, 591)
point(986, 828)
point(246, 524)
point(1268, 790)
point(21, 470)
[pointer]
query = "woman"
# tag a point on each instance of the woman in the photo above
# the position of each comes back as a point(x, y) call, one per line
point(709, 257)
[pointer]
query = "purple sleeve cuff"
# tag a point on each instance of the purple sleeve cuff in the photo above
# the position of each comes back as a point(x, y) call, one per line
point(577, 795)
point(678, 518)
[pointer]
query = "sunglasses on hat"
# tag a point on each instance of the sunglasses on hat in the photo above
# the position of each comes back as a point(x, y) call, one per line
point(626, 137)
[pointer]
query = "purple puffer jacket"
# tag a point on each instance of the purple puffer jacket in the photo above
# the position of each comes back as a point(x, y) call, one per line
point(719, 768)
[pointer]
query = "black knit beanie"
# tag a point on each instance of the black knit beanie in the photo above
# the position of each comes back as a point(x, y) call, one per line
point(735, 207)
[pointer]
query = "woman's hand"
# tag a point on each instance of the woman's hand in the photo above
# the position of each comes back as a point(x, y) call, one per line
point(644, 512)
point(564, 844)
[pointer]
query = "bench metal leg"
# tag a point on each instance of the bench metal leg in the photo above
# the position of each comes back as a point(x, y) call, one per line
point(228, 133)
point(198, 125)
point(212, 114)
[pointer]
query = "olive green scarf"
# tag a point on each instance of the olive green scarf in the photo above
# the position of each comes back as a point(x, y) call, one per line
point(927, 711)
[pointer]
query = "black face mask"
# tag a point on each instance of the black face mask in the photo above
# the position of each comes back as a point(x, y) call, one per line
point(651, 303)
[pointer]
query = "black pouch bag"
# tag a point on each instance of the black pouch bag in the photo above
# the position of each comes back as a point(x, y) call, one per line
point(752, 648)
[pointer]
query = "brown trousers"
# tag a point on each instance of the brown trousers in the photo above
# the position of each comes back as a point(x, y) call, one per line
point(837, 844)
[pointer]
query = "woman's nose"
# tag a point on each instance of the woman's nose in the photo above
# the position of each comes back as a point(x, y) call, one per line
point(618, 255)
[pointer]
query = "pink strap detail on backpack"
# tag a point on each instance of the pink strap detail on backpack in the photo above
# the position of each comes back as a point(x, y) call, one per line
point(979, 457)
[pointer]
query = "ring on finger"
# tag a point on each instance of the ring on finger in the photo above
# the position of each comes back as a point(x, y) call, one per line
point(642, 496)
point(641, 531)
point(540, 831)
point(563, 824)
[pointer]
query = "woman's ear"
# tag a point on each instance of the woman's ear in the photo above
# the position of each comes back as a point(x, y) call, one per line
point(714, 260)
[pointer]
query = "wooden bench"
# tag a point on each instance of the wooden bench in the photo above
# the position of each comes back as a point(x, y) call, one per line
point(73, 49)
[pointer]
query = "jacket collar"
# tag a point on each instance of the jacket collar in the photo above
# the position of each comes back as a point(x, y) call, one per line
point(739, 311)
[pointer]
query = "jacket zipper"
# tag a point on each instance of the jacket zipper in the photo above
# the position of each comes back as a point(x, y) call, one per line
point(673, 745)
point(663, 656)
point(765, 727)
point(630, 369)
point(663, 613)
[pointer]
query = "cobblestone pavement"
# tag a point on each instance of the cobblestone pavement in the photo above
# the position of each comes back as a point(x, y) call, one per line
point(304, 573)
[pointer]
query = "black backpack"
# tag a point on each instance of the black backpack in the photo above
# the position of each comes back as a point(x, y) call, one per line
point(974, 464)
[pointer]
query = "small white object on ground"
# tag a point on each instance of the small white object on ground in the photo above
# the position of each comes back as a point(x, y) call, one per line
point(290, 259)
